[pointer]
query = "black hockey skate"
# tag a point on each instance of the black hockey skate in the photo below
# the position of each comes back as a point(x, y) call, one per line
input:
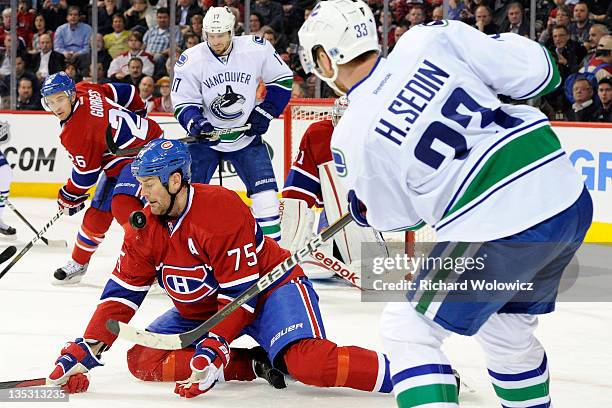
point(263, 368)
point(7, 231)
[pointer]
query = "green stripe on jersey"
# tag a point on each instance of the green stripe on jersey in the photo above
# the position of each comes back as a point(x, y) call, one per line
point(271, 229)
point(523, 394)
point(509, 159)
point(427, 394)
point(555, 81)
point(284, 83)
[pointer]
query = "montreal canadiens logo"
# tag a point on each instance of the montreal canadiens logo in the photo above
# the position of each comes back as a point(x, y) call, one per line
point(188, 284)
point(167, 145)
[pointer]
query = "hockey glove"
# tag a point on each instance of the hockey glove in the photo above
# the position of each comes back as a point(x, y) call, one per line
point(71, 203)
point(357, 209)
point(76, 359)
point(259, 119)
point(198, 127)
point(211, 355)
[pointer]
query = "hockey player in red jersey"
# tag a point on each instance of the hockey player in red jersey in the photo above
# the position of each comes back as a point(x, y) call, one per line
point(86, 112)
point(202, 244)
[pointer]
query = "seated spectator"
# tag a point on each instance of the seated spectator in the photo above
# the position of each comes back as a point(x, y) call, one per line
point(271, 36)
point(595, 33)
point(196, 26)
point(271, 13)
point(169, 63)
point(101, 74)
point(604, 91)
point(568, 53)
point(72, 71)
point(584, 108)
point(5, 30)
point(400, 29)
point(5, 56)
point(297, 88)
point(601, 64)
point(106, 14)
point(26, 99)
point(255, 23)
point(47, 61)
point(455, 7)
point(119, 66)
point(54, 12)
point(380, 26)
point(416, 15)
point(484, 20)
point(579, 28)
point(135, 72)
point(191, 40)
point(135, 17)
point(40, 28)
point(515, 21)
point(25, 20)
point(185, 9)
point(163, 103)
point(72, 39)
point(145, 89)
point(116, 42)
point(562, 18)
point(157, 40)
point(21, 71)
point(437, 14)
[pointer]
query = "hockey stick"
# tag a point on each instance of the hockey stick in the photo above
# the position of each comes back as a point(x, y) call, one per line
point(214, 135)
point(48, 242)
point(29, 245)
point(182, 340)
point(34, 382)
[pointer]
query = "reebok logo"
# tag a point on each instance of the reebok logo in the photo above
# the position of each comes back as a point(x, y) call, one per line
point(333, 265)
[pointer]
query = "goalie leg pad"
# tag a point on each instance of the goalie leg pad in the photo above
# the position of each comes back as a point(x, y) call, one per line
point(266, 212)
point(296, 223)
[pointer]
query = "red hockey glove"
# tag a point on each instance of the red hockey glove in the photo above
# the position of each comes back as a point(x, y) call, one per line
point(71, 203)
point(76, 359)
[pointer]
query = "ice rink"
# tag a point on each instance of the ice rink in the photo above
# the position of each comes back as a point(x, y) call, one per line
point(38, 318)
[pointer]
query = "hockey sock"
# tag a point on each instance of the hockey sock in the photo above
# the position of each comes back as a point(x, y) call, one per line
point(91, 234)
point(122, 206)
point(5, 182)
point(148, 364)
point(322, 363)
point(529, 388)
point(266, 213)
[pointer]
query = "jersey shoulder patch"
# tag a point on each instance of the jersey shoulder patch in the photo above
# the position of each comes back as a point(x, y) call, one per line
point(259, 40)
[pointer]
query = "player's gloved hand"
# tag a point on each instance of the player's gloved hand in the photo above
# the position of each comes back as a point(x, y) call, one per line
point(198, 127)
point(76, 359)
point(357, 209)
point(211, 355)
point(71, 203)
point(259, 119)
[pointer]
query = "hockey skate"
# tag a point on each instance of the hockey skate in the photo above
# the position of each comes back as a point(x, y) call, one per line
point(70, 273)
point(263, 368)
point(8, 232)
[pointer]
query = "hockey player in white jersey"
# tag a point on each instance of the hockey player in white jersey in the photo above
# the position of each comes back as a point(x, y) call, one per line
point(6, 231)
point(214, 87)
point(425, 139)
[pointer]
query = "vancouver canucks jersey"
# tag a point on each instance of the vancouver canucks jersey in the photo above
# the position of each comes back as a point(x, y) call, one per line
point(224, 88)
point(426, 139)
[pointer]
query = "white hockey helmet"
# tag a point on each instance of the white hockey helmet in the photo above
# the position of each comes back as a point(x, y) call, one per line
point(218, 20)
point(340, 106)
point(344, 29)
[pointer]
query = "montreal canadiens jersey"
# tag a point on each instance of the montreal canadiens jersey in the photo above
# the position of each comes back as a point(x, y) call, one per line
point(203, 260)
point(98, 108)
point(426, 139)
point(303, 179)
point(224, 88)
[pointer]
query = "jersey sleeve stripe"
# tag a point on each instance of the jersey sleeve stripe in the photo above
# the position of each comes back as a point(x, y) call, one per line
point(127, 286)
point(115, 96)
point(299, 180)
point(550, 82)
point(96, 170)
point(126, 302)
point(305, 173)
point(304, 192)
point(115, 162)
point(281, 78)
point(84, 182)
point(248, 306)
point(259, 238)
point(237, 282)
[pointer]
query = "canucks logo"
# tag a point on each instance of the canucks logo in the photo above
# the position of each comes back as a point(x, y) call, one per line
point(340, 162)
point(228, 106)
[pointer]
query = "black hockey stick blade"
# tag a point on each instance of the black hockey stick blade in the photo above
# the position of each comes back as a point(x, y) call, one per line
point(34, 382)
point(182, 340)
point(8, 253)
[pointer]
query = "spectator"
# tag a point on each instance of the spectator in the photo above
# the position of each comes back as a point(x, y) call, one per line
point(484, 20)
point(255, 23)
point(135, 17)
point(603, 58)
point(196, 26)
point(163, 103)
point(604, 91)
point(380, 27)
point(455, 8)
point(5, 56)
point(400, 29)
point(595, 33)
point(40, 28)
point(72, 71)
point(169, 64)
point(72, 39)
point(102, 77)
point(116, 42)
point(579, 29)
point(20, 72)
point(26, 100)
point(584, 108)
point(437, 14)
point(25, 20)
point(191, 40)
point(568, 53)
point(54, 12)
point(562, 18)
point(515, 21)
point(47, 61)
point(145, 89)
point(157, 40)
point(297, 88)
point(5, 30)
point(272, 37)
point(106, 15)
point(135, 72)
point(119, 66)
point(185, 9)
point(271, 13)
point(416, 15)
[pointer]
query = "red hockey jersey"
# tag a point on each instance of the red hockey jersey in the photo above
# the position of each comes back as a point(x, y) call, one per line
point(303, 178)
point(84, 132)
point(204, 259)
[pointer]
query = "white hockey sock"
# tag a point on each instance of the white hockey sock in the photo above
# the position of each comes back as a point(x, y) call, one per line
point(5, 182)
point(266, 213)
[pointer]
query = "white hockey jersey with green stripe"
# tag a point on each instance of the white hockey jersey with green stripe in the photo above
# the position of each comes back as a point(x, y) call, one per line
point(224, 89)
point(426, 139)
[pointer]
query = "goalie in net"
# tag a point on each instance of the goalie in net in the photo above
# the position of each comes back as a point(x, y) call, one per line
point(313, 181)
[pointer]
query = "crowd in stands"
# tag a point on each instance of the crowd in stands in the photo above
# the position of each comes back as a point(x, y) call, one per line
point(133, 43)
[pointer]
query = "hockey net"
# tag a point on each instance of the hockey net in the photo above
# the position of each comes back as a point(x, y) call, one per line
point(298, 115)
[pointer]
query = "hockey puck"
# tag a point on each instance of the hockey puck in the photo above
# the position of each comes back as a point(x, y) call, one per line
point(138, 220)
point(59, 275)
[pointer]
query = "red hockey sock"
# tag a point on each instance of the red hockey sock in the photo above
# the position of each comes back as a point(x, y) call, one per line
point(150, 364)
point(322, 363)
point(94, 226)
point(122, 206)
